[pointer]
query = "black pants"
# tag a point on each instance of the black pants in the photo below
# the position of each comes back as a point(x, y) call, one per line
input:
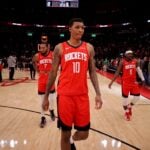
point(32, 73)
point(11, 73)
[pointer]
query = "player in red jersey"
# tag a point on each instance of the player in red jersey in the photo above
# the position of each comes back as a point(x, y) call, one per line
point(129, 67)
point(76, 58)
point(43, 62)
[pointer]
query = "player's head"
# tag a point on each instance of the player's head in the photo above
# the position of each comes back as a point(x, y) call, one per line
point(129, 54)
point(44, 38)
point(76, 28)
point(43, 48)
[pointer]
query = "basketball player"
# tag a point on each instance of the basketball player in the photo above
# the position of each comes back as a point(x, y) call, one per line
point(42, 63)
point(76, 58)
point(129, 67)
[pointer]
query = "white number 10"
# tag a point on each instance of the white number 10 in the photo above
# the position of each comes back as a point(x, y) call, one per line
point(76, 67)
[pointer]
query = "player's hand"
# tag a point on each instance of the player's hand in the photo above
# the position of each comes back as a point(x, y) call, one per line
point(45, 104)
point(98, 102)
point(109, 85)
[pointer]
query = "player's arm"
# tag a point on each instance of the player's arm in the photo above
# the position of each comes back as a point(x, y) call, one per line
point(117, 73)
point(139, 71)
point(55, 66)
point(92, 70)
point(52, 74)
point(93, 77)
point(35, 62)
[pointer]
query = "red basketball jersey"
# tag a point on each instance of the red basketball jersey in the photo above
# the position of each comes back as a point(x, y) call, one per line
point(45, 62)
point(129, 71)
point(74, 66)
point(44, 65)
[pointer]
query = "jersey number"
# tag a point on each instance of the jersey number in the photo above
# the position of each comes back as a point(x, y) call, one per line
point(76, 67)
point(45, 65)
point(130, 71)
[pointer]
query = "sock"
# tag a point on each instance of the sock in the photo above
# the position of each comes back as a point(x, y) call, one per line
point(51, 110)
point(71, 140)
point(126, 110)
point(135, 99)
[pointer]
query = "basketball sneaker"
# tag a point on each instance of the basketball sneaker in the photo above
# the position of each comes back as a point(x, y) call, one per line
point(127, 116)
point(52, 115)
point(73, 147)
point(43, 122)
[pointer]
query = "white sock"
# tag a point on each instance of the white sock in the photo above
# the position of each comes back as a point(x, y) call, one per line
point(71, 140)
point(51, 100)
point(135, 99)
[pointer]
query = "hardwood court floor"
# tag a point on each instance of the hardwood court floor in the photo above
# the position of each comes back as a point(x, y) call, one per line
point(19, 119)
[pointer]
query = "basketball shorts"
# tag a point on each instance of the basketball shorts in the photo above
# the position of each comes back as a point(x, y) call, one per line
point(42, 83)
point(73, 111)
point(130, 88)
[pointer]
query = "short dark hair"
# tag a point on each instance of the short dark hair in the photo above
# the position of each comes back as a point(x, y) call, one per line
point(44, 38)
point(75, 20)
point(44, 44)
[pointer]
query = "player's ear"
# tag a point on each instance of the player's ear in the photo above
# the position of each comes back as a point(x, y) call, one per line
point(38, 47)
point(69, 29)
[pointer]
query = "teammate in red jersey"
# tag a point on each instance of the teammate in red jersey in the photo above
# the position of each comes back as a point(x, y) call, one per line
point(76, 58)
point(129, 67)
point(43, 62)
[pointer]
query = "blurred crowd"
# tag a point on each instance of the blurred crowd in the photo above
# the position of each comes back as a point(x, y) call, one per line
point(108, 51)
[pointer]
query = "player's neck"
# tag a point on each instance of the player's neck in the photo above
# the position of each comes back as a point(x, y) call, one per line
point(46, 53)
point(129, 59)
point(74, 42)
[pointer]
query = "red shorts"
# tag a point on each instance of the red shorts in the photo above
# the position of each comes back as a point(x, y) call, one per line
point(42, 83)
point(73, 110)
point(132, 88)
